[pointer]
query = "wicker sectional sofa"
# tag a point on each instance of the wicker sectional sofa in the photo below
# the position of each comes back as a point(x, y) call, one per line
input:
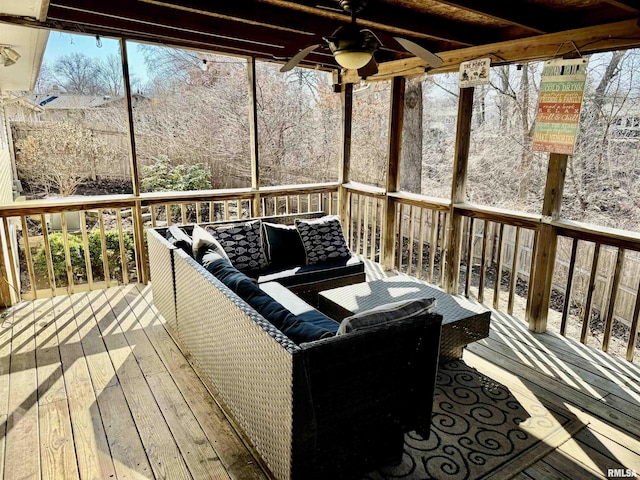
point(333, 408)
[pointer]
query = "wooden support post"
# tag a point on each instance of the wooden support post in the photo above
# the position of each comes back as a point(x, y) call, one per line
point(393, 172)
point(540, 284)
point(253, 138)
point(459, 189)
point(138, 229)
point(133, 159)
point(345, 153)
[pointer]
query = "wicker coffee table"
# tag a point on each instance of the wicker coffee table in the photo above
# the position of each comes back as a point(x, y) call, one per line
point(464, 321)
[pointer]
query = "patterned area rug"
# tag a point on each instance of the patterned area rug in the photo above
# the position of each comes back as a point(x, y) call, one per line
point(479, 430)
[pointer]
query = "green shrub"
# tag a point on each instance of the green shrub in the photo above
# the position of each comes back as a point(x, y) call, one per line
point(162, 176)
point(76, 251)
point(113, 251)
point(56, 243)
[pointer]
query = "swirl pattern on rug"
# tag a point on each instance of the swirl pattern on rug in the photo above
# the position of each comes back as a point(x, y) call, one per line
point(478, 426)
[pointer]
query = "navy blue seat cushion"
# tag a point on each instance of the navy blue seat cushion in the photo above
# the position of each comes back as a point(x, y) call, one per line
point(179, 238)
point(313, 273)
point(306, 327)
point(282, 246)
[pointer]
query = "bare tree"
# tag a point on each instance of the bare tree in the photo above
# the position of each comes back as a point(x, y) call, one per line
point(46, 78)
point(602, 174)
point(110, 75)
point(78, 73)
point(51, 159)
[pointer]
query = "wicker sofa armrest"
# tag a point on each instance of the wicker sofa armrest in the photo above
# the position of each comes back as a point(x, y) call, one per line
point(364, 390)
point(161, 269)
point(247, 361)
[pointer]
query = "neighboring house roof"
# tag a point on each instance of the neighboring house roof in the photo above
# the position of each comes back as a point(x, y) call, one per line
point(72, 101)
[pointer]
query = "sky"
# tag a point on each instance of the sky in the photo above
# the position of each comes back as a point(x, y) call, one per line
point(62, 43)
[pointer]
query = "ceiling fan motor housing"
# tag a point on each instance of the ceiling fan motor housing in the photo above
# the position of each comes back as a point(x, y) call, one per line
point(353, 5)
point(350, 37)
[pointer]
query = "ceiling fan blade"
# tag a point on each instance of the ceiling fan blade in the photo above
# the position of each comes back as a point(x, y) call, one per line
point(298, 57)
point(412, 47)
point(369, 69)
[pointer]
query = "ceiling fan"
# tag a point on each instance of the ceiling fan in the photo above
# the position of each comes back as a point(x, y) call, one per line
point(353, 47)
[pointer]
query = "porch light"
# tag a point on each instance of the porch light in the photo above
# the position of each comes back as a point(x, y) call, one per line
point(9, 55)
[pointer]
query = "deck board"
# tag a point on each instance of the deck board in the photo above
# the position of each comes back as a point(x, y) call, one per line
point(129, 458)
point(22, 448)
point(240, 465)
point(92, 385)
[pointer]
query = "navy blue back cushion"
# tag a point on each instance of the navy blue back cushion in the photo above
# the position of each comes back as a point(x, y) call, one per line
point(306, 327)
point(283, 246)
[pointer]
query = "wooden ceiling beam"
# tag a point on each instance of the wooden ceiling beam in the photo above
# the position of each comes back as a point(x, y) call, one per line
point(178, 20)
point(251, 14)
point(396, 20)
point(607, 37)
point(505, 11)
point(627, 5)
point(116, 28)
point(84, 22)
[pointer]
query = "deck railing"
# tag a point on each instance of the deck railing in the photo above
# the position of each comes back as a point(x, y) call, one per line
point(496, 266)
point(601, 289)
point(71, 245)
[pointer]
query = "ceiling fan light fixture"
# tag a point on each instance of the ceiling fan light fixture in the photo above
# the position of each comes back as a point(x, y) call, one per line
point(352, 59)
point(351, 47)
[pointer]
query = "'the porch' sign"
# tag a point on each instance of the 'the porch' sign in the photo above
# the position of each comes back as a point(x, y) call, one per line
point(559, 104)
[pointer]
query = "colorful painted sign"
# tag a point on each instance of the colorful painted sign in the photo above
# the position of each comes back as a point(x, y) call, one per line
point(474, 72)
point(559, 105)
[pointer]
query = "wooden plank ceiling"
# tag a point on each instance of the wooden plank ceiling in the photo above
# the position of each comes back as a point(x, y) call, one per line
point(275, 30)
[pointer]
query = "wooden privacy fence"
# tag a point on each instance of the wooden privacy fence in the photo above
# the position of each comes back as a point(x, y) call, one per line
point(115, 165)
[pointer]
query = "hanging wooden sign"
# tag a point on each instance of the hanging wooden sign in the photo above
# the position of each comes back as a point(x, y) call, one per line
point(474, 72)
point(559, 104)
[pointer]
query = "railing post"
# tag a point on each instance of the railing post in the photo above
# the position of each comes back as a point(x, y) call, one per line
point(138, 238)
point(9, 285)
point(459, 190)
point(393, 172)
point(541, 281)
point(345, 153)
point(253, 137)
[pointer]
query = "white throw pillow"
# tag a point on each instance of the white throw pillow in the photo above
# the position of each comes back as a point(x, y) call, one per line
point(203, 240)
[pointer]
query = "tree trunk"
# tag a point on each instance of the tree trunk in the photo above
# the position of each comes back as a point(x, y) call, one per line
point(586, 166)
point(503, 100)
point(412, 137)
point(527, 155)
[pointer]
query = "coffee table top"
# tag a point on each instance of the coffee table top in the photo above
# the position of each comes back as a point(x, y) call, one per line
point(364, 296)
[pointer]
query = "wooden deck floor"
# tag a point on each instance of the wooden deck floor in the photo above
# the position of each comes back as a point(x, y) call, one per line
point(93, 387)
